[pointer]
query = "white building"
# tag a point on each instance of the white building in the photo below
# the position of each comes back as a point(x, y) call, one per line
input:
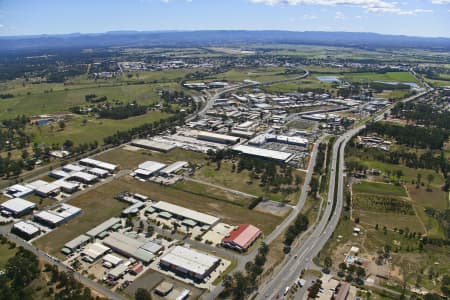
point(189, 263)
point(93, 163)
point(17, 207)
point(264, 153)
point(25, 230)
point(184, 214)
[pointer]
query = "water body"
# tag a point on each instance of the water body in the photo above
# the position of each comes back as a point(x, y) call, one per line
point(329, 79)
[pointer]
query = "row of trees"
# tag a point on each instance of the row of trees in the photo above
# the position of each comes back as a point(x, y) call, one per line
point(412, 136)
point(240, 285)
point(300, 224)
point(122, 111)
point(422, 113)
point(150, 129)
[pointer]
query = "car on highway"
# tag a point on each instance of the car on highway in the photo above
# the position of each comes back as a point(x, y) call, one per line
point(301, 282)
point(286, 290)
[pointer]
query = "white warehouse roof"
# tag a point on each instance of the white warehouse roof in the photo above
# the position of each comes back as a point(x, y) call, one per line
point(103, 227)
point(186, 213)
point(190, 260)
point(277, 155)
point(17, 205)
point(26, 227)
point(98, 163)
point(151, 166)
point(153, 145)
point(174, 167)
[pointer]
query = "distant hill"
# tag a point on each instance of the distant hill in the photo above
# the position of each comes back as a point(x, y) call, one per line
point(219, 37)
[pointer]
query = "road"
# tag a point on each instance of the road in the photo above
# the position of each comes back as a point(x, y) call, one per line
point(281, 227)
point(303, 254)
point(54, 261)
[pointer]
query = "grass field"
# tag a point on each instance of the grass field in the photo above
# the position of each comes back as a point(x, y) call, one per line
point(379, 188)
point(98, 206)
point(241, 182)
point(196, 188)
point(367, 77)
point(5, 254)
point(128, 159)
point(93, 130)
point(228, 212)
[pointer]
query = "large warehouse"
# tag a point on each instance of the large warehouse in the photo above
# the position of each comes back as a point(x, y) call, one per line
point(59, 215)
point(183, 214)
point(148, 168)
point(128, 246)
point(16, 207)
point(264, 153)
point(242, 237)
point(217, 137)
point(153, 145)
point(25, 230)
point(93, 163)
point(189, 262)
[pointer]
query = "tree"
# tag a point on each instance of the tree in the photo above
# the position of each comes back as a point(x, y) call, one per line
point(327, 262)
point(430, 179)
point(419, 179)
point(61, 125)
point(142, 294)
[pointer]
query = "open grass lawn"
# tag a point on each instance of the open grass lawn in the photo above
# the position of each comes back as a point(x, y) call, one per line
point(378, 188)
point(60, 100)
point(388, 76)
point(409, 174)
point(98, 206)
point(390, 220)
point(196, 188)
point(241, 181)
point(93, 130)
point(229, 213)
point(128, 159)
point(393, 95)
point(5, 254)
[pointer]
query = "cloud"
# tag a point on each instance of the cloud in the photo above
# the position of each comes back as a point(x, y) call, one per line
point(440, 1)
point(374, 6)
point(339, 16)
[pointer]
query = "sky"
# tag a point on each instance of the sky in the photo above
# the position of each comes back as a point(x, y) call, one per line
point(409, 17)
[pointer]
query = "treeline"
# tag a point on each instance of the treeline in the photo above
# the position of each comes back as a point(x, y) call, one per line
point(6, 96)
point(426, 160)
point(300, 224)
point(148, 129)
point(93, 98)
point(13, 135)
point(240, 285)
point(411, 136)
point(422, 114)
point(122, 112)
point(23, 269)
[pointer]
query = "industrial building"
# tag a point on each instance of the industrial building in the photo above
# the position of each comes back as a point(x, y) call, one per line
point(148, 168)
point(84, 177)
point(217, 137)
point(153, 145)
point(133, 209)
point(291, 140)
point(242, 237)
point(189, 263)
point(76, 243)
point(18, 191)
point(140, 249)
point(17, 207)
point(263, 153)
point(173, 168)
point(44, 189)
point(93, 163)
point(103, 227)
point(184, 214)
point(94, 251)
point(59, 215)
point(25, 230)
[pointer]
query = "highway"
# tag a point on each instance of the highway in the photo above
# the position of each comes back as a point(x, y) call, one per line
point(303, 254)
point(281, 227)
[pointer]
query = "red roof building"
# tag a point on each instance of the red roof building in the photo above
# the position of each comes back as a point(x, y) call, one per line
point(242, 237)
